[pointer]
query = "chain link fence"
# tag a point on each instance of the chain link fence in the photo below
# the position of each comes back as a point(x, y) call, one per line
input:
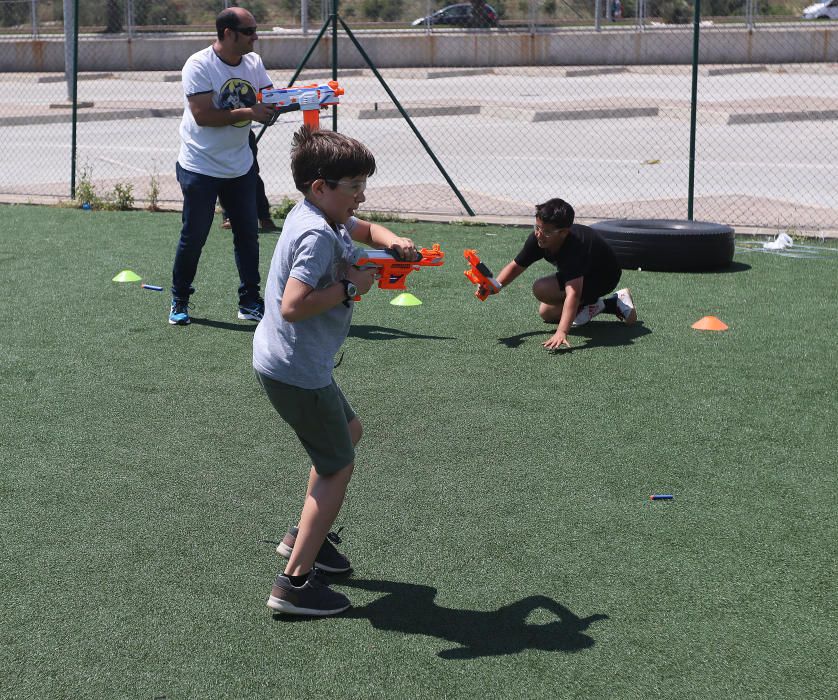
point(518, 102)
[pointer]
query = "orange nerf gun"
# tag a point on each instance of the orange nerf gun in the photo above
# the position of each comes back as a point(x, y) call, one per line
point(391, 271)
point(481, 275)
point(310, 99)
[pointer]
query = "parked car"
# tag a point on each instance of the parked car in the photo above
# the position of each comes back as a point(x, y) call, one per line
point(822, 10)
point(463, 14)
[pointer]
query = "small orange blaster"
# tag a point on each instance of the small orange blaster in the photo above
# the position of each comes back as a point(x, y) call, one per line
point(480, 275)
point(310, 99)
point(391, 271)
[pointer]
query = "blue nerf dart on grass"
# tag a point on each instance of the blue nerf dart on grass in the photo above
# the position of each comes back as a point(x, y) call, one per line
point(661, 497)
point(152, 287)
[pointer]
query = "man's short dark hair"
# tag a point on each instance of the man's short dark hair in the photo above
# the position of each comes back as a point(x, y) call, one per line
point(327, 155)
point(555, 211)
point(226, 19)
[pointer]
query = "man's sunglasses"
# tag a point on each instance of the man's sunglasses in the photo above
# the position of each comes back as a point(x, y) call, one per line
point(247, 31)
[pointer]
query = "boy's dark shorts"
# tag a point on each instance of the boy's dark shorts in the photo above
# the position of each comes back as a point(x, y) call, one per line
point(596, 285)
point(319, 417)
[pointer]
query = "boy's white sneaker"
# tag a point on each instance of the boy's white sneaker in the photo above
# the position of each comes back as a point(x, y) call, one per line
point(587, 312)
point(625, 306)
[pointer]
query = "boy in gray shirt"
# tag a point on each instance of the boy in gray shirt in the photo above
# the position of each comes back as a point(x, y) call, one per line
point(309, 298)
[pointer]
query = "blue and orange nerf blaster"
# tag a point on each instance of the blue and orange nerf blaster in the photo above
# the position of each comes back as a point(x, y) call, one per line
point(391, 271)
point(310, 99)
point(480, 275)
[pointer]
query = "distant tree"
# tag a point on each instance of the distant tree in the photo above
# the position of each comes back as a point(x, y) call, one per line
point(678, 12)
point(670, 11)
point(721, 8)
point(113, 16)
point(384, 10)
point(155, 13)
point(13, 13)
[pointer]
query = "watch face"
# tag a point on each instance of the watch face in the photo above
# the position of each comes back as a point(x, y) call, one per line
point(351, 290)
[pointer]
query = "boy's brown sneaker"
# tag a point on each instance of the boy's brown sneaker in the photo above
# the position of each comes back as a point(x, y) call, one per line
point(328, 559)
point(314, 597)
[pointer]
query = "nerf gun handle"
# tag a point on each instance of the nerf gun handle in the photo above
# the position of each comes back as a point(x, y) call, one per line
point(391, 270)
point(482, 276)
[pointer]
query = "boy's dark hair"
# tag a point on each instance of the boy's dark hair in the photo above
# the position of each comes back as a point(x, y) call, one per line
point(555, 211)
point(226, 19)
point(328, 155)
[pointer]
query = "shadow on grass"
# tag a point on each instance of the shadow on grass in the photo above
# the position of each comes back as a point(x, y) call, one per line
point(361, 331)
point(608, 334)
point(382, 333)
point(734, 267)
point(516, 341)
point(249, 328)
point(410, 609)
point(599, 334)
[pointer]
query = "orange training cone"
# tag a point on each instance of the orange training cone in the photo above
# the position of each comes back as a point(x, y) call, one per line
point(710, 323)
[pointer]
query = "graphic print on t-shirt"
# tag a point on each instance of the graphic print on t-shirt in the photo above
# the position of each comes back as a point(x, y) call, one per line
point(235, 94)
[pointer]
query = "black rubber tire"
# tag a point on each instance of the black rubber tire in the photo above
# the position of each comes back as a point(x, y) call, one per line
point(668, 245)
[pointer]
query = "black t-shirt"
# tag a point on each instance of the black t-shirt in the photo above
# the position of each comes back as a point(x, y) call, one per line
point(584, 253)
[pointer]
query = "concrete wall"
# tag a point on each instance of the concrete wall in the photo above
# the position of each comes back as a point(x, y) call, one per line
point(815, 42)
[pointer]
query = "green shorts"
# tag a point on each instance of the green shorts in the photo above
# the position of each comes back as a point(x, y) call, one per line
point(319, 417)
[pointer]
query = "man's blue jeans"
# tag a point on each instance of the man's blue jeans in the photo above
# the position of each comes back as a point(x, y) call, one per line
point(200, 193)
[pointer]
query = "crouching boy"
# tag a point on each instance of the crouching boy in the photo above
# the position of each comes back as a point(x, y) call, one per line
point(587, 271)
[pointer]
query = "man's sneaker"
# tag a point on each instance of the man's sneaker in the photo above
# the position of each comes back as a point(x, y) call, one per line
point(314, 597)
point(328, 559)
point(625, 306)
point(252, 311)
point(179, 315)
point(587, 312)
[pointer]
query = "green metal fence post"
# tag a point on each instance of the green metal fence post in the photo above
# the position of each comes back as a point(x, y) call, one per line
point(693, 109)
point(335, 58)
point(75, 98)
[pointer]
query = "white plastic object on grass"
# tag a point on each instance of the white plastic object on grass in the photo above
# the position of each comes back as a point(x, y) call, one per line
point(782, 241)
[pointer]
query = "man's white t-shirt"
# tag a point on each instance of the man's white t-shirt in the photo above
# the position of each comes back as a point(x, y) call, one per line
point(219, 151)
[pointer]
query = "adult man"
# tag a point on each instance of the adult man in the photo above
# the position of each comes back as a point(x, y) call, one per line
point(220, 84)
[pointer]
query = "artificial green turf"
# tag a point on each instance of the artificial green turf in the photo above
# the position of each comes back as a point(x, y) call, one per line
point(500, 497)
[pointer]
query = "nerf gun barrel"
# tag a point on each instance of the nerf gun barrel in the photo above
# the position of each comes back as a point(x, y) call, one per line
point(391, 270)
point(480, 275)
point(310, 99)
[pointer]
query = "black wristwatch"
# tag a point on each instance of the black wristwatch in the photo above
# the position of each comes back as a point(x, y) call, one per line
point(350, 289)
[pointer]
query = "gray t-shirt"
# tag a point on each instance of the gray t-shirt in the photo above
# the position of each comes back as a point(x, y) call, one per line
point(309, 250)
